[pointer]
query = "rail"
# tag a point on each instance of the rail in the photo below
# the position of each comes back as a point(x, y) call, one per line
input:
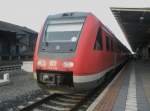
point(68, 102)
point(58, 102)
point(10, 67)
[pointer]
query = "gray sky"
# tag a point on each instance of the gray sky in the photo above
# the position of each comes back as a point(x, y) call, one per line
point(32, 13)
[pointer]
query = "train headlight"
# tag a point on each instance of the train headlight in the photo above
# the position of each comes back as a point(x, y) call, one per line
point(53, 63)
point(68, 64)
point(41, 63)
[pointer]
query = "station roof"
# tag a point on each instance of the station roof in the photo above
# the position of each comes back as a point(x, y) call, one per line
point(135, 23)
point(5, 26)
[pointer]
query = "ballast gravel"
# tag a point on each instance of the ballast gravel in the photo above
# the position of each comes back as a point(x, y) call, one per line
point(21, 89)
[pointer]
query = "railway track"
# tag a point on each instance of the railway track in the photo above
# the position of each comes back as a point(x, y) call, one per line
point(63, 102)
point(54, 102)
point(66, 102)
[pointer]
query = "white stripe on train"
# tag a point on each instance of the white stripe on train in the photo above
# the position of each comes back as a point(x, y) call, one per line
point(93, 77)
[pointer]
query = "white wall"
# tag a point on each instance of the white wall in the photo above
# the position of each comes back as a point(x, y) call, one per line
point(27, 66)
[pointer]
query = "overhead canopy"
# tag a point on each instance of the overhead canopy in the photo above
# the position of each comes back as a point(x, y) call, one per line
point(4, 26)
point(16, 41)
point(135, 23)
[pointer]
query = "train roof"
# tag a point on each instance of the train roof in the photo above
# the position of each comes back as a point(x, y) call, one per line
point(83, 14)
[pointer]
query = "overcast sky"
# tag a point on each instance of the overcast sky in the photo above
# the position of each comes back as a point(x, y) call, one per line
point(32, 13)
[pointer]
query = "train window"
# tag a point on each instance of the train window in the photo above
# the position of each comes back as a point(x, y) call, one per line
point(107, 43)
point(62, 35)
point(112, 46)
point(119, 48)
point(98, 42)
point(115, 47)
point(63, 32)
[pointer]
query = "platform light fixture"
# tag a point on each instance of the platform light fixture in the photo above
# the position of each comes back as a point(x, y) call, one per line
point(141, 18)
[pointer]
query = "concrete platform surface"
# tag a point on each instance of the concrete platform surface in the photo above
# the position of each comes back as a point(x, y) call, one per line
point(134, 91)
point(4, 82)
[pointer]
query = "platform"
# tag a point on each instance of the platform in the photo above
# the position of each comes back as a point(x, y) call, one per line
point(129, 92)
point(3, 82)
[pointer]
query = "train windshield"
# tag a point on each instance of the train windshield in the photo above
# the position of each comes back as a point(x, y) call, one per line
point(62, 35)
point(63, 32)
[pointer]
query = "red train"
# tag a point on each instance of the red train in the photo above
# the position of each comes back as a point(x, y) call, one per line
point(74, 51)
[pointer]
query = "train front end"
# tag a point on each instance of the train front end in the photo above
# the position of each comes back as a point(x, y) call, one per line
point(54, 58)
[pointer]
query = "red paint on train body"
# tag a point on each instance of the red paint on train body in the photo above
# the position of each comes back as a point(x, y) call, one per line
point(96, 51)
